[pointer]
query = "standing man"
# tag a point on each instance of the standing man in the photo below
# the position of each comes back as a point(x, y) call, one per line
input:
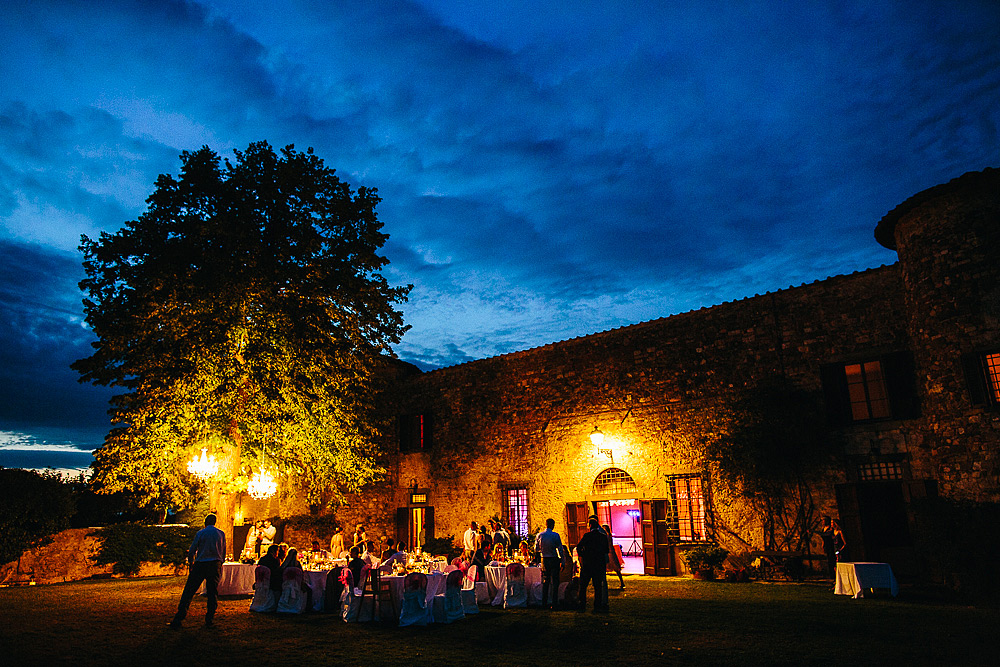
point(469, 539)
point(593, 552)
point(205, 558)
point(548, 543)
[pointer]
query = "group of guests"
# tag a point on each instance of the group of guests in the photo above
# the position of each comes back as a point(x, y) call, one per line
point(491, 541)
point(260, 537)
point(596, 553)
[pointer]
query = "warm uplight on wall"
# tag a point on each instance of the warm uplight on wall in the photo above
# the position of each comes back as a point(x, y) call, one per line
point(597, 437)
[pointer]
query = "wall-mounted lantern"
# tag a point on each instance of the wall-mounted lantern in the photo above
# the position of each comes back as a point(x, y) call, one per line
point(597, 437)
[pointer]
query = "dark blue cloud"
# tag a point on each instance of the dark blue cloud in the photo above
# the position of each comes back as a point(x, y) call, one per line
point(548, 168)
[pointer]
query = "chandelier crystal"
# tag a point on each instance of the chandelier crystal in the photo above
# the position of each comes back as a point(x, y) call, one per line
point(261, 485)
point(203, 466)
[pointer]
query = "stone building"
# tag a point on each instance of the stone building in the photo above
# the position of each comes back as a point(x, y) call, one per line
point(903, 360)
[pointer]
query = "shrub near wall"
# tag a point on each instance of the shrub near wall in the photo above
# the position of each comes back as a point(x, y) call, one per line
point(126, 546)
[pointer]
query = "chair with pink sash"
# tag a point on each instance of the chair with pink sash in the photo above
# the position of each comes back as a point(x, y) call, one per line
point(349, 602)
point(293, 596)
point(414, 611)
point(469, 605)
point(264, 599)
point(448, 605)
point(515, 594)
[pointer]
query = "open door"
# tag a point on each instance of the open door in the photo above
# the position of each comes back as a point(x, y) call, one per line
point(657, 552)
point(576, 522)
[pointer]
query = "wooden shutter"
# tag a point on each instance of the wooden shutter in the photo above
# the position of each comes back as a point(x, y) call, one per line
point(428, 440)
point(403, 527)
point(648, 547)
point(576, 522)
point(975, 378)
point(657, 550)
point(838, 407)
point(900, 381)
point(429, 523)
point(850, 520)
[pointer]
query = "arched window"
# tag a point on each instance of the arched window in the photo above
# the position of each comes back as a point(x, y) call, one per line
point(613, 480)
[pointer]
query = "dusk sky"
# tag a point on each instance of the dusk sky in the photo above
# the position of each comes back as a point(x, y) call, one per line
point(548, 169)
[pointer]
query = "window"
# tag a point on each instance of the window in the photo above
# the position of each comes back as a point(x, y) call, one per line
point(882, 470)
point(877, 388)
point(515, 509)
point(982, 372)
point(866, 391)
point(415, 433)
point(688, 508)
point(613, 480)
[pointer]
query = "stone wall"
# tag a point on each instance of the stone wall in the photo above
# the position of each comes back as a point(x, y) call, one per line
point(67, 558)
point(655, 389)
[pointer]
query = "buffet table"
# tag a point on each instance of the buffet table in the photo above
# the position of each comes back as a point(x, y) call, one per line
point(855, 578)
point(496, 580)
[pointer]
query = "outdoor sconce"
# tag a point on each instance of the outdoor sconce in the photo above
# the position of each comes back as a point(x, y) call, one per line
point(597, 437)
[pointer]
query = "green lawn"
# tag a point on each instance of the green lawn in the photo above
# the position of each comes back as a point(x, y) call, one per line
point(655, 621)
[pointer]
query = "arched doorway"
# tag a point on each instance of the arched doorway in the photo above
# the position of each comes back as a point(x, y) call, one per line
point(614, 499)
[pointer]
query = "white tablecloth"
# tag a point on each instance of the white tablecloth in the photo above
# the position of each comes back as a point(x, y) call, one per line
point(855, 578)
point(435, 585)
point(237, 579)
point(316, 581)
point(496, 579)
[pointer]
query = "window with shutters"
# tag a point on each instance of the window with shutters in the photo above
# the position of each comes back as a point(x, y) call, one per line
point(688, 508)
point(416, 432)
point(515, 508)
point(865, 390)
point(982, 371)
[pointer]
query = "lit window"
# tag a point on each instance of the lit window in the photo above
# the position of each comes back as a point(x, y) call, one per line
point(687, 503)
point(866, 389)
point(613, 480)
point(516, 509)
point(993, 375)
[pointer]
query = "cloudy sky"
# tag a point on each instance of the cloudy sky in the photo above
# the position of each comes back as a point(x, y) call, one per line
point(548, 169)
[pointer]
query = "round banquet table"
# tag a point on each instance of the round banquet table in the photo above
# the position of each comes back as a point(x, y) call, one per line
point(496, 579)
point(237, 579)
point(435, 585)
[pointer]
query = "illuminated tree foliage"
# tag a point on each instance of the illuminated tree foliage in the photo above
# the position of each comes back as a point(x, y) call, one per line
point(245, 308)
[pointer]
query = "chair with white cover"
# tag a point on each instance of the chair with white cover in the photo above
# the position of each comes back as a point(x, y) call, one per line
point(448, 605)
point(482, 588)
point(350, 601)
point(469, 604)
point(414, 611)
point(264, 599)
point(515, 594)
point(293, 596)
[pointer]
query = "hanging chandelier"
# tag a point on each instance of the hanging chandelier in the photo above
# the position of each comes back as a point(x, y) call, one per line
point(261, 485)
point(203, 466)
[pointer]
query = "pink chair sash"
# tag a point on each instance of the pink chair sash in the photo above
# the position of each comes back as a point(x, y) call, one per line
point(262, 575)
point(515, 570)
point(363, 576)
point(292, 574)
point(454, 579)
point(470, 577)
point(415, 581)
point(347, 578)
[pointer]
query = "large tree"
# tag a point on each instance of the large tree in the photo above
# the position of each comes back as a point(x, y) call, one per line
point(245, 308)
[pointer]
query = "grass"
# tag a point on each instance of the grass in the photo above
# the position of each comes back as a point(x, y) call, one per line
point(655, 621)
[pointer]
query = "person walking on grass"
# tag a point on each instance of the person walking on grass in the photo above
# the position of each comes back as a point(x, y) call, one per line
point(205, 558)
point(593, 552)
point(548, 543)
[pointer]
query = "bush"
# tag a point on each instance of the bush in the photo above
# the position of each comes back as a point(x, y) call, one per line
point(442, 546)
point(33, 506)
point(704, 557)
point(125, 546)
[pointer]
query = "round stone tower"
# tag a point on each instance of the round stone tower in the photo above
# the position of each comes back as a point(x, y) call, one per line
point(948, 242)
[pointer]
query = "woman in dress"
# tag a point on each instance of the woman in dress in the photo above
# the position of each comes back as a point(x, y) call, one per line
point(360, 537)
point(613, 562)
point(337, 546)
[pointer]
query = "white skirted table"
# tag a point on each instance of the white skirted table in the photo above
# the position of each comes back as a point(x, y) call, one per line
point(435, 585)
point(237, 579)
point(855, 578)
point(496, 579)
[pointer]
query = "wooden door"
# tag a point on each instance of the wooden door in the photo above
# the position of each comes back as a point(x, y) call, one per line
point(657, 551)
point(576, 522)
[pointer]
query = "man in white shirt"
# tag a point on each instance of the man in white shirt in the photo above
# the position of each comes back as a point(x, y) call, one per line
point(268, 534)
point(205, 558)
point(548, 544)
point(469, 539)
